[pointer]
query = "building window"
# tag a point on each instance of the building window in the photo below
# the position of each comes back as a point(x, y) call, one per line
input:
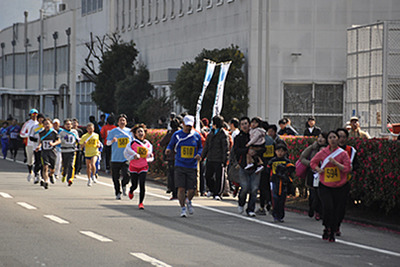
point(130, 13)
point(117, 15)
point(149, 14)
point(209, 4)
point(100, 5)
point(199, 5)
point(180, 8)
point(164, 10)
point(136, 14)
point(142, 12)
point(172, 9)
point(123, 15)
point(323, 101)
point(220, 2)
point(84, 9)
point(157, 6)
point(91, 6)
point(190, 7)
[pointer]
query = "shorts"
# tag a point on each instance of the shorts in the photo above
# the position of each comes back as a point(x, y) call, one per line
point(49, 158)
point(185, 177)
point(89, 158)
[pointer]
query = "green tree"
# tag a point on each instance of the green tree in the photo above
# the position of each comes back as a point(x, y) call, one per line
point(189, 83)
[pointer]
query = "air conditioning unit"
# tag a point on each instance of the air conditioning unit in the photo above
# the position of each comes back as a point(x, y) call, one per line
point(62, 7)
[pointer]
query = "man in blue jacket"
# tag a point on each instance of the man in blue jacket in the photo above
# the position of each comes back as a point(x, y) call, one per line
point(187, 146)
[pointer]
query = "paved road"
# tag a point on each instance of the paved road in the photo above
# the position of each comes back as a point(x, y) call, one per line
point(86, 226)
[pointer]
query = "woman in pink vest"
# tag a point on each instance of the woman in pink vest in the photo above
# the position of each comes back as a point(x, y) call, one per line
point(139, 152)
point(333, 164)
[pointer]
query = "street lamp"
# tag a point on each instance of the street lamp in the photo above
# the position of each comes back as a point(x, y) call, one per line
point(3, 45)
point(55, 37)
point(13, 43)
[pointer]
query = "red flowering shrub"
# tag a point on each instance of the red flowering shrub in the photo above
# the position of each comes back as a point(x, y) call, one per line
point(376, 182)
point(155, 136)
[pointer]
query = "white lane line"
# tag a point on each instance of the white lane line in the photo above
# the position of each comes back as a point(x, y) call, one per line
point(348, 243)
point(5, 195)
point(26, 206)
point(149, 259)
point(56, 219)
point(96, 236)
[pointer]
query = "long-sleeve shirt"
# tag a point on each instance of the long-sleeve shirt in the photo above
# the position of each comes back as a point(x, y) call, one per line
point(186, 147)
point(332, 175)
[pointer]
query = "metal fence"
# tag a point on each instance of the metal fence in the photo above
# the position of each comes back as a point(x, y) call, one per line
point(373, 75)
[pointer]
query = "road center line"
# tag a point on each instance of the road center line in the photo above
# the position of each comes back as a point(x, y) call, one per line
point(96, 236)
point(149, 259)
point(352, 244)
point(56, 219)
point(5, 195)
point(26, 206)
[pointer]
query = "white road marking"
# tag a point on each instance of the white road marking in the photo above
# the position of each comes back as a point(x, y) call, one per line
point(96, 236)
point(150, 260)
point(5, 195)
point(56, 219)
point(26, 206)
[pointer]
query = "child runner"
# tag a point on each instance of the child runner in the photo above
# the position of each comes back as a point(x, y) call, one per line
point(280, 169)
point(69, 139)
point(91, 142)
point(13, 132)
point(139, 152)
point(48, 141)
point(255, 145)
point(4, 139)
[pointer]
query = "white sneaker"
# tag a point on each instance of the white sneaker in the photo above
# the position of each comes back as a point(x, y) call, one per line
point(240, 209)
point(183, 212)
point(29, 177)
point(251, 214)
point(89, 182)
point(260, 168)
point(249, 166)
point(209, 194)
point(217, 198)
point(36, 180)
point(94, 180)
point(118, 196)
point(189, 207)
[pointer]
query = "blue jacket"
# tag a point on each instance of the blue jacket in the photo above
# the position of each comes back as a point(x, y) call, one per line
point(186, 146)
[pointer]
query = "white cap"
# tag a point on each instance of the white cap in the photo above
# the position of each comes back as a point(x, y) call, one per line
point(56, 120)
point(188, 120)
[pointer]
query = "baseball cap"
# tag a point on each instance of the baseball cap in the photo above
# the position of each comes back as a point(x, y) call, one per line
point(33, 111)
point(354, 118)
point(188, 120)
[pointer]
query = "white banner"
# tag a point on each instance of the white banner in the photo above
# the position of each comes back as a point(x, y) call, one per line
point(219, 96)
point(209, 73)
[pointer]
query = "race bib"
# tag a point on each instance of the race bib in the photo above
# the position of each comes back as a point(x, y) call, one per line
point(142, 151)
point(69, 139)
point(46, 145)
point(122, 142)
point(269, 152)
point(187, 152)
point(14, 135)
point(91, 142)
point(332, 174)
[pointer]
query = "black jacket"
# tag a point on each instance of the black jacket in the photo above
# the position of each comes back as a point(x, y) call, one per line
point(240, 149)
point(216, 148)
point(315, 132)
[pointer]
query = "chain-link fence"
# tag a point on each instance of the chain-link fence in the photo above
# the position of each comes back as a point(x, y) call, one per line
point(373, 76)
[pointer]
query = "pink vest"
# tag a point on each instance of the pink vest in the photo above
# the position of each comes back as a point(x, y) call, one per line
point(145, 149)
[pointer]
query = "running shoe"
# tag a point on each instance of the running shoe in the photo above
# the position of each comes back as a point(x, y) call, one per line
point(251, 214)
point(124, 190)
point(259, 169)
point(36, 180)
point(46, 185)
point(51, 179)
point(29, 177)
point(269, 206)
point(41, 183)
point(94, 180)
point(249, 166)
point(189, 207)
point(89, 182)
point(183, 212)
point(261, 212)
point(217, 197)
point(70, 183)
point(325, 234)
point(63, 179)
point(240, 209)
point(118, 196)
point(131, 195)
point(317, 216)
point(331, 237)
point(173, 198)
point(281, 220)
point(141, 207)
point(209, 194)
point(310, 213)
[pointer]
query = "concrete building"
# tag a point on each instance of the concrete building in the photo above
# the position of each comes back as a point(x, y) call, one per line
point(295, 49)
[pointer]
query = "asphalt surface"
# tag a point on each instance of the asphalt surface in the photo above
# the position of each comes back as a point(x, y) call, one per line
point(87, 226)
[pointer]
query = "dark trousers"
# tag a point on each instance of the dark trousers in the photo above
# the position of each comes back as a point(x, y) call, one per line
point(138, 179)
point(278, 203)
point(78, 161)
point(171, 178)
point(333, 204)
point(118, 169)
point(342, 212)
point(68, 164)
point(214, 177)
point(314, 202)
point(14, 144)
point(107, 152)
point(265, 188)
point(38, 163)
point(202, 177)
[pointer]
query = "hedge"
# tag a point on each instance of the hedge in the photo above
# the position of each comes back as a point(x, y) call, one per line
point(374, 185)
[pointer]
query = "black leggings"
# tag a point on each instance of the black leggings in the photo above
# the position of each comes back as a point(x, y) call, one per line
point(138, 178)
point(333, 201)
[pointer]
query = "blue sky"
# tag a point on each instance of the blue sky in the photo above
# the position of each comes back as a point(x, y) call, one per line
point(12, 11)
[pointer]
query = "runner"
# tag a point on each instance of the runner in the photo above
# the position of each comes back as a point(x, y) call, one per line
point(187, 145)
point(5, 142)
point(69, 139)
point(91, 142)
point(34, 139)
point(48, 141)
point(26, 128)
point(13, 132)
point(118, 139)
point(139, 152)
point(57, 168)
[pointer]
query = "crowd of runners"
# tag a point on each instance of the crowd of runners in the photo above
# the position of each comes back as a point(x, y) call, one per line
point(244, 157)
